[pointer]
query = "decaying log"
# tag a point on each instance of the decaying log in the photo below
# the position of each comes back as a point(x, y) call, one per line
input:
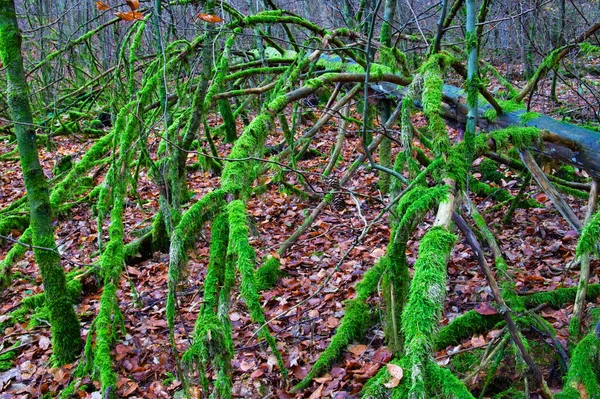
point(568, 143)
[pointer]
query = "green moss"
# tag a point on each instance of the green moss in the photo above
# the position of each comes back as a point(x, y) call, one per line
point(237, 176)
point(420, 319)
point(507, 106)
point(489, 171)
point(216, 265)
point(441, 380)
point(589, 49)
point(183, 237)
point(584, 367)
point(589, 236)
point(433, 83)
point(266, 276)
point(465, 326)
point(559, 296)
point(508, 86)
point(528, 116)
point(417, 202)
point(6, 358)
point(228, 119)
point(212, 345)
point(240, 249)
point(368, 284)
point(374, 388)
point(394, 59)
point(15, 253)
point(519, 137)
point(465, 362)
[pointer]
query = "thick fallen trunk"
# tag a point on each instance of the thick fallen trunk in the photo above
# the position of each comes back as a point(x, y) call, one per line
point(564, 142)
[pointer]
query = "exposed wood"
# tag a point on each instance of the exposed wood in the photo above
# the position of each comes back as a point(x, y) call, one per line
point(558, 201)
point(584, 276)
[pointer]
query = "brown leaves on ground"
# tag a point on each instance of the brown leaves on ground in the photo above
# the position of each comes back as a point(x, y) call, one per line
point(305, 308)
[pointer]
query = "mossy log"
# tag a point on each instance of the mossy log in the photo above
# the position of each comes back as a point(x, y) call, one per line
point(572, 144)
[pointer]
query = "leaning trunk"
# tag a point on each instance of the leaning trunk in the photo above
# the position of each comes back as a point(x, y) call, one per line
point(66, 339)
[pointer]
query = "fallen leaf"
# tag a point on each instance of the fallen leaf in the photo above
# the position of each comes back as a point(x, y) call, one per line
point(8, 375)
point(485, 309)
point(378, 253)
point(133, 4)
point(395, 371)
point(245, 365)
point(44, 342)
point(478, 341)
point(102, 6)
point(357, 349)
point(317, 393)
point(392, 383)
point(321, 380)
point(382, 355)
point(129, 16)
point(213, 19)
point(257, 373)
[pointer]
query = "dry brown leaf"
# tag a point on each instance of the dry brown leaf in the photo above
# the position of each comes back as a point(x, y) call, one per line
point(392, 383)
point(378, 252)
point(129, 15)
point(44, 342)
point(357, 349)
point(484, 308)
point(317, 393)
point(133, 4)
point(102, 6)
point(321, 380)
point(395, 371)
point(213, 19)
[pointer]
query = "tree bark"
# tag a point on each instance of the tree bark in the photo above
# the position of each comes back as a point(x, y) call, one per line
point(66, 339)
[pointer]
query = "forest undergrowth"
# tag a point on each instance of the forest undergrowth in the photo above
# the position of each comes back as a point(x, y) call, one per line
point(305, 308)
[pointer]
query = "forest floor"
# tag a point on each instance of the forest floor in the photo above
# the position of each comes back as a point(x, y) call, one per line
point(304, 308)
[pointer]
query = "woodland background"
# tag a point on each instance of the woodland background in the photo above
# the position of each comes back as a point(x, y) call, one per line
point(301, 199)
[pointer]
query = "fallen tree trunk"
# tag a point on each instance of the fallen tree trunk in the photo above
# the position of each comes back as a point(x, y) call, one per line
point(564, 142)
